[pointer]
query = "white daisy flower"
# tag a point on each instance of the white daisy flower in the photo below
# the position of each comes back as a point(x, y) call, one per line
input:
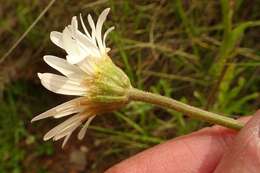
point(87, 72)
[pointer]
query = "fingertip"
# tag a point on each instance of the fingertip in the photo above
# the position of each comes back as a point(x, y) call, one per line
point(251, 129)
point(182, 154)
point(245, 153)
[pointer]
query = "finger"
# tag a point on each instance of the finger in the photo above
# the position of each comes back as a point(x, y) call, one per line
point(244, 156)
point(197, 152)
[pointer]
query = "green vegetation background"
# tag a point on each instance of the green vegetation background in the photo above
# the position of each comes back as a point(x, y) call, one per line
point(205, 53)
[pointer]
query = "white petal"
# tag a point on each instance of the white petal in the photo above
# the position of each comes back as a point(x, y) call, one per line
point(107, 49)
point(61, 110)
point(99, 25)
point(92, 26)
point(64, 67)
point(105, 35)
point(88, 65)
point(83, 130)
point(87, 45)
point(66, 140)
point(68, 112)
point(75, 52)
point(62, 135)
point(62, 85)
point(56, 38)
point(83, 25)
point(68, 124)
point(65, 132)
point(68, 42)
point(74, 22)
point(74, 59)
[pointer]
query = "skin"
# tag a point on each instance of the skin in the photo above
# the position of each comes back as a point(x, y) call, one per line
point(210, 150)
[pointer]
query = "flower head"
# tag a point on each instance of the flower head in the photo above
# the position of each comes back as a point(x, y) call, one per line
point(87, 72)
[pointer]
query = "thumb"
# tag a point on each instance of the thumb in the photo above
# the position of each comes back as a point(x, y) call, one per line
point(244, 156)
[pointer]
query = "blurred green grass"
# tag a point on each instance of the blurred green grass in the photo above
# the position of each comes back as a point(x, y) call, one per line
point(205, 53)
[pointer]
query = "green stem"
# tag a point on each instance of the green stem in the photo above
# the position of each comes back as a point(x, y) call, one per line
point(139, 95)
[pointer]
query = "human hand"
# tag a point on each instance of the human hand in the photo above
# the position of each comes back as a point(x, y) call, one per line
point(213, 149)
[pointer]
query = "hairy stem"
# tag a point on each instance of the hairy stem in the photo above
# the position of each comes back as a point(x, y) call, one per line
point(139, 95)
